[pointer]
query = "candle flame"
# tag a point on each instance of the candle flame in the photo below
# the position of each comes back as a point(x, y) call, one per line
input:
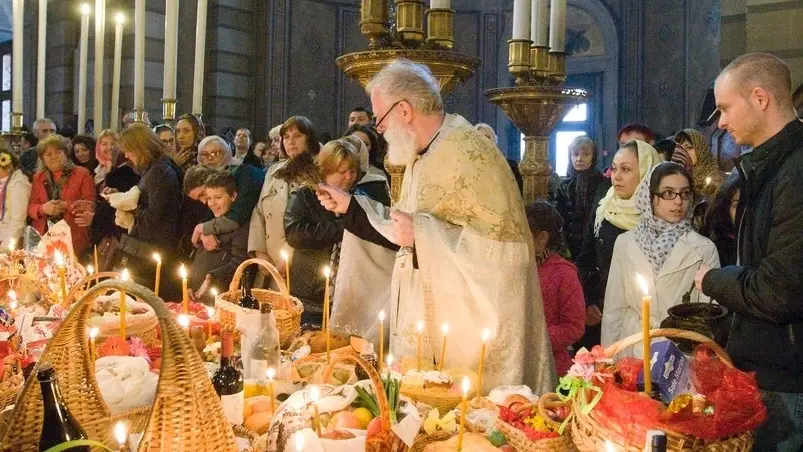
point(184, 320)
point(86, 9)
point(314, 394)
point(12, 244)
point(465, 385)
point(210, 311)
point(157, 257)
point(182, 271)
point(59, 258)
point(285, 255)
point(707, 180)
point(125, 276)
point(445, 329)
point(93, 332)
point(609, 446)
point(327, 272)
point(13, 305)
point(270, 373)
point(420, 327)
point(214, 292)
point(12, 295)
point(389, 360)
point(382, 316)
point(119, 18)
point(90, 269)
point(299, 441)
point(486, 334)
point(120, 433)
point(643, 284)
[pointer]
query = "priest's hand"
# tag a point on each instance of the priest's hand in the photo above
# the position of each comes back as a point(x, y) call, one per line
point(333, 198)
point(403, 231)
point(699, 276)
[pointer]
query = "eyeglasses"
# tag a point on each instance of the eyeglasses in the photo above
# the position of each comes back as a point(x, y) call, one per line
point(210, 156)
point(670, 195)
point(388, 112)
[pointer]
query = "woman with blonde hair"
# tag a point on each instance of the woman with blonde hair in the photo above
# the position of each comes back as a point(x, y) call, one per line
point(15, 191)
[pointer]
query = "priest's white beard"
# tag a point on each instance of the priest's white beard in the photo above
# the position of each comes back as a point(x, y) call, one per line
point(402, 144)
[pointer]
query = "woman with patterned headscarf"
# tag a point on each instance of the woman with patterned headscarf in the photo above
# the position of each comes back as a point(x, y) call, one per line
point(615, 215)
point(664, 249)
point(693, 153)
point(15, 190)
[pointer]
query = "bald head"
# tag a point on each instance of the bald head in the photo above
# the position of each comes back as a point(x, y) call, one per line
point(761, 70)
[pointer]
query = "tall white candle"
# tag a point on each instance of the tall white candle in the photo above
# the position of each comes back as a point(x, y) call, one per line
point(440, 4)
point(171, 42)
point(100, 43)
point(200, 48)
point(539, 25)
point(119, 19)
point(16, 52)
point(40, 59)
point(139, 55)
point(521, 19)
point(557, 26)
point(84, 47)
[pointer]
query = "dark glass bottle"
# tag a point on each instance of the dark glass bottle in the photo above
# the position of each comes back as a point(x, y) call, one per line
point(228, 382)
point(659, 443)
point(247, 300)
point(369, 355)
point(59, 425)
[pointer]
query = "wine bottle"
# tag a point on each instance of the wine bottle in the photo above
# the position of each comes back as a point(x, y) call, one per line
point(265, 347)
point(228, 382)
point(247, 300)
point(59, 425)
point(656, 441)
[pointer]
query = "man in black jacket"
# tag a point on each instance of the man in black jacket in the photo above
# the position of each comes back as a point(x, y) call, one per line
point(765, 288)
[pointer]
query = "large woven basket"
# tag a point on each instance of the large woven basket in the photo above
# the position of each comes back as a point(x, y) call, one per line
point(286, 308)
point(519, 440)
point(590, 436)
point(442, 399)
point(186, 414)
point(12, 384)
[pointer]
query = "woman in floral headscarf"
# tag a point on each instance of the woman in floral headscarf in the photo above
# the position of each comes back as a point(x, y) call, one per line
point(694, 153)
point(663, 249)
point(15, 190)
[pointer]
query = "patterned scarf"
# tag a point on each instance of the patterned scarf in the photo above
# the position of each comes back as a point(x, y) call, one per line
point(706, 165)
point(656, 237)
point(54, 188)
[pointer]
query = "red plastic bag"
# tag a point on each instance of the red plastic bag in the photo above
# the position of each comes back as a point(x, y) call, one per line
point(628, 371)
point(627, 413)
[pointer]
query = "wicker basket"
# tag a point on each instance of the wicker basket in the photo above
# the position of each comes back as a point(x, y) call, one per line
point(386, 440)
point(11, 386)
point(286, 309)
point(186, 414)
point(519, 440)
point(590, 436)
point(443, 399)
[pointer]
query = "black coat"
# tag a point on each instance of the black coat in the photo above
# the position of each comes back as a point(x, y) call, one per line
point(158, 211)
point(765, 291)
point(576, 213)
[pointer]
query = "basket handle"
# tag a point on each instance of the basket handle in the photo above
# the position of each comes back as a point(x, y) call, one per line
point(238, 275)
point(547, 401)
point(76, 289)
point(376, 381)
point(672, 333)
point(43, 288)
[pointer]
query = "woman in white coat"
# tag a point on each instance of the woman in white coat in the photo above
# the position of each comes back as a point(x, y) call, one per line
point(15, 190)
point(663, 248)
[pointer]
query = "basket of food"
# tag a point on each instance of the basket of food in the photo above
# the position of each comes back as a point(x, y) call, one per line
point(529, 427)
point(286, 309)
point(437, 388)
point(702, 403)
point(186, 413)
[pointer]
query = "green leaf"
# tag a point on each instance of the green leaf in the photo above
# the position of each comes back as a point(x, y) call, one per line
point(78, 443)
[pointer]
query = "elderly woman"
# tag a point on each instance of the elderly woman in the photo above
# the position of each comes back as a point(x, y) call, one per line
point(83, 152)
point(156, 217)
point(15, 191)
point(266, 236)
point(57, 188)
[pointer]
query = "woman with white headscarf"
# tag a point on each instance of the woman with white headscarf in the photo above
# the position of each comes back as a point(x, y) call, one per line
point(663, 248)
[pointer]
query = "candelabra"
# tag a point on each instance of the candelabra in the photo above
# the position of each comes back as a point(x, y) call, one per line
point(408, 40)
point(14, 136)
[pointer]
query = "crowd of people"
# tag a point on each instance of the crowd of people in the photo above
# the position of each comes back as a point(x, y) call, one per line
point(667, 213)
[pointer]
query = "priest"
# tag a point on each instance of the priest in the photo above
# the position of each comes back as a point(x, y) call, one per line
point(466, 254)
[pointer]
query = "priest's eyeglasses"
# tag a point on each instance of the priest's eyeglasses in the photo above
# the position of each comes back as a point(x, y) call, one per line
point(388, 112)
point(670, 195)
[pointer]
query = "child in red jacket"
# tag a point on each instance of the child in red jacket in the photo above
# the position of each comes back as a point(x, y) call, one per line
point(564, 305)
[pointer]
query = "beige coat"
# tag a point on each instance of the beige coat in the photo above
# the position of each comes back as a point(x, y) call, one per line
point(13, 222)
point(622, 314)
point(266, 233)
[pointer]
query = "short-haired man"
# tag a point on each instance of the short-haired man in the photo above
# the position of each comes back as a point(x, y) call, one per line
point(242, 150)
point(765, 288)
point(360, 115)
point(29, 159)
point(465, 244)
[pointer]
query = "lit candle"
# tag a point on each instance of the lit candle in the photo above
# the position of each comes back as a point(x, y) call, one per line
point(381, 338)
point(708, 180)
point(210, 311)
point(95, 257)
point(17, 29)
point(93, 353)
point(314, 395)
point(645, 332)
point(40, 59)
point(12, 245)
point(171, 46)
point(389, 362)
point(327, 272)
point(59, 258)
point(420, 330)
point(465, 386)
point(609, 447)
point(185, 301)
point(90, 270)
point(539, 23)
point(184, 322)
point(100, 42)
point(445, 331)
point(557, 26)
point(286, 258)
point(119, 20)
point(84, 46)
point(139, 55)
point(521, 8)
point(299, 441)
point(158, 258)
point(200, 49)
point(121, 435)
point(124, 276)
point(12, 301)
point(486, 334)
point(271, 374)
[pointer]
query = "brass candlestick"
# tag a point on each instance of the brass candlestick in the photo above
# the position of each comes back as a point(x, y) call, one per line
point(539, 64)
point(440, 28)
point(139, 115)
point(518, 62)
point(410, 21)
point(557, 68)
point(169, 110)
point(14, 136)
point(374, 22)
